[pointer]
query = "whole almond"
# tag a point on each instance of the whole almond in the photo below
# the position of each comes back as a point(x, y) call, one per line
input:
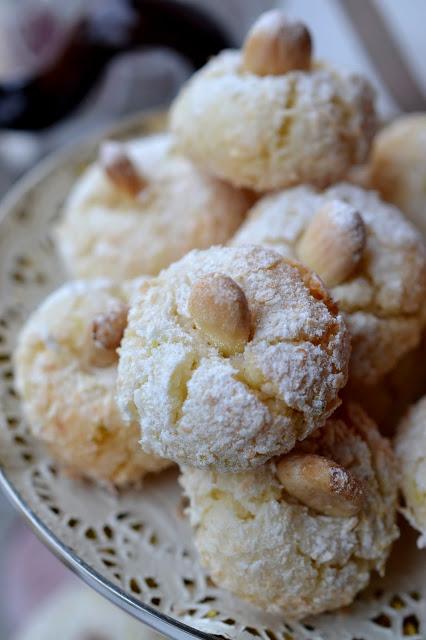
point(321, 484)
point(120, 169)
point(220, 310)
point(108, 328)
point(275, 45)
point(334, 242)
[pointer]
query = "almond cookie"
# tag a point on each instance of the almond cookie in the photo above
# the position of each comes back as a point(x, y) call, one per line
point(369, 255)
point(410, 448)
point(230, 356)
point(398, 166)
point(66, 370)
point(269, 117)
point(142, 206)
point(301, 534)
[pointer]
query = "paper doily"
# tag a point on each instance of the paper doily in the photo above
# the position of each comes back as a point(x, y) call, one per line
point(135, 547)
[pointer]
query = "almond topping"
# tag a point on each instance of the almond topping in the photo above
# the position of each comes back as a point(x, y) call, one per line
point(120, 169)
point(108, 328)
point(275, 45)
point(333, 244)
point(321, 484)
point(220, 309)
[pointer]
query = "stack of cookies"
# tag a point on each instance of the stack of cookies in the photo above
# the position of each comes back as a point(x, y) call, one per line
point(248, 294)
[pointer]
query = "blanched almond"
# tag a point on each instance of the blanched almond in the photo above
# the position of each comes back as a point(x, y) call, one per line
point(220, 310)
point(120, 169)
point(275, 45)
point(321, 484)
point(334, 242)
point(108, 328)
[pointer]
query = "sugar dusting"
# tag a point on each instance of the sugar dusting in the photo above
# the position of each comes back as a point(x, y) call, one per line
point(201, 408)
point(383, 300)
point(104, 232)
point(319, 122)
point(281, 555)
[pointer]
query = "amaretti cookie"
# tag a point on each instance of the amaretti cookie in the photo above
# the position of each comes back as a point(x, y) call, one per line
point(398, 166)
point(301, 534)
point(269, 116)
point(369, 255)
point(410, 448)
point(142, 206)
point(231, 355)
point(66, 369)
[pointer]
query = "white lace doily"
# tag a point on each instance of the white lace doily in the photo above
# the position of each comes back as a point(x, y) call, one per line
point(136, 547)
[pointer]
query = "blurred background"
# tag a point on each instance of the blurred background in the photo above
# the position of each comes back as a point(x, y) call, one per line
point(67, 68)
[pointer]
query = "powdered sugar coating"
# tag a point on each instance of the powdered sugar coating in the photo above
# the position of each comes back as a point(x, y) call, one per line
point(200, 407)
point(383, 300)
point(68, 398)
point(271, 550)
point(410, 448)
point(272, 132)
point(105, 232)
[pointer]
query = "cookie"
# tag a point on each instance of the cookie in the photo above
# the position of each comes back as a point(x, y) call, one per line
point(142, 206)
point(230, 356)
point(398, 166)
point(66, 370)
point(369, 255)
point(301, 534)
point(410, 448)
point(269, 117)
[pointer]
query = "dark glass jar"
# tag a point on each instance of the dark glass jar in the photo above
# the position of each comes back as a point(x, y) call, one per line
point(62, 60)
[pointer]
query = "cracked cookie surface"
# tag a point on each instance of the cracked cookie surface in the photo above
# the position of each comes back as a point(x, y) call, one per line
point(108, 231)
point(202, 404)
point(274, 131)
point(268, 548)
point(67, 386)
point(383, 299)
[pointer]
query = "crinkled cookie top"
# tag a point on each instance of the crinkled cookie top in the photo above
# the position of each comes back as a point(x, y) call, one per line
point(383, 297)
point(269, 548)
point(208, 406)
point(274, 131)
point(67, 385)
point(108, 230)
